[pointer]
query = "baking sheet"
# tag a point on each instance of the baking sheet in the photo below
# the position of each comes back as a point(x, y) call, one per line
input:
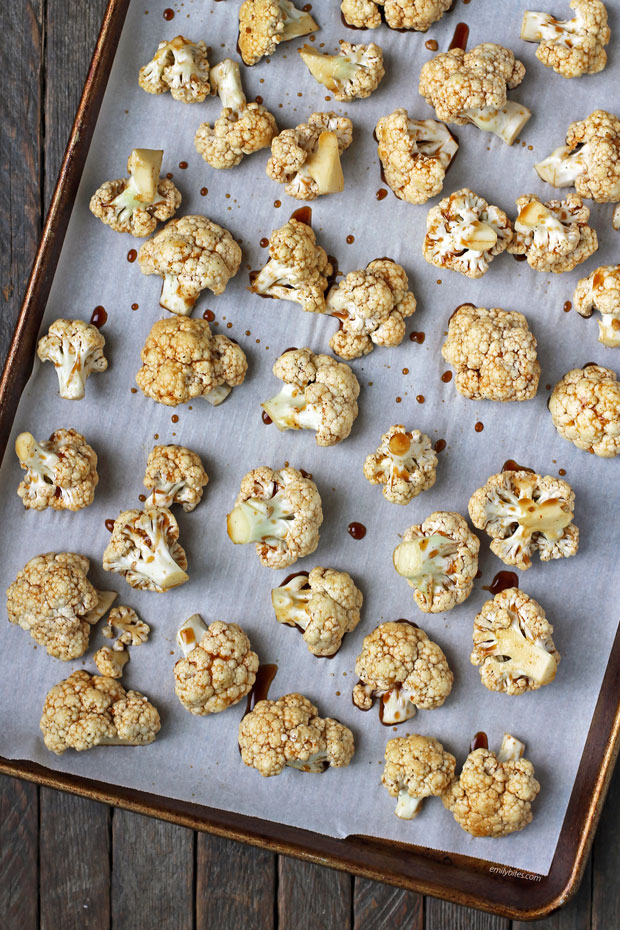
point(196, 758)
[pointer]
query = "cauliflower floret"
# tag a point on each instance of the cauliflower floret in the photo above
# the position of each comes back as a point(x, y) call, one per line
point(61, 472)
point(190, 254)
point(415, 155)
point(54, 601)
point(85, 711)
point(402, 666)
point(523, 512)
point(371, 306)
point(242, 128)
point(289, 732)
point(465, 233)
point(405, 464)
point(174, 475)
point(352, 74)
point(471, 87)
point(280, 511)
point(572, 47)
point(590, 160)
point(319, 393)
point(75, 348)
point(554, 235)
point(585, 408)
point(145, 549)
point(416, 767)
point(307, 159)
point(439, 559)
point(182, 359)
point(398, 14)
point(263, 24)
point(298, 269)
point(601, 291)
point(493, 353)
point(180, 66)
point(323, 605)
point(111, 662)
point(134, 632)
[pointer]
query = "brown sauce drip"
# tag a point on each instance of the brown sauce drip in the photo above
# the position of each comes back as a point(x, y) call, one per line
point(182, 165)
point(460, 37)
point(290, 349)
point(479, 427)
point(417, 337)
point(209, 315)
point(480, 741)
point(356, 530)
point(305, 474)
point(381, 193)
point(266, 418)
point(431, 45)
point(420, 398)
point(135, 306)
point(99, 317)
point(502, 581)
point(170, 175)
point(168, 14)
point(511, 465)
point(440, 445)
point(561, 472)
point(264, 242)
point(446, 377)
point(175, 418)
point(258, 99)
point(142, 498)
point(350, 240)
point(204, 191)
point(277, 204)
point(290, 577)
point(260, 688)
point(302, 215)
point(132, 255)
point(520, 258)
point(109, 525)
point(567, 306)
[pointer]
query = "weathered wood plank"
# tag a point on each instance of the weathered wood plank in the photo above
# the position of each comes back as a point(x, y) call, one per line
point(312, 898)
point(19, 843)
point(576, 914)
point(235, 885)
point(606, 863)
point(440, 915)
point(382, 907)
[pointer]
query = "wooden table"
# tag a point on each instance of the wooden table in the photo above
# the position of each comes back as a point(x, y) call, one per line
point(68, 863)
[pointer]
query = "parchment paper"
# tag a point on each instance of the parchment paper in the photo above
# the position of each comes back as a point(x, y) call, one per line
point(196, 758)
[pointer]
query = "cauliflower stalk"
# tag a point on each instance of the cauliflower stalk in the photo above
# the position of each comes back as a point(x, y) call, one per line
point(307, 159)
point(585, 408)
point(180, 66)
point(590, 160)
point(405, 464)
point(354, 73)
point(75, 348)
point(61, 472)
point(263, 24)
point(298, 269)
point(554, 236)
point(174, 475)
point(601, 291)
point(416, 767)
point(571, 47)
point(415, 155)
point(398, 14)
point(145, 549)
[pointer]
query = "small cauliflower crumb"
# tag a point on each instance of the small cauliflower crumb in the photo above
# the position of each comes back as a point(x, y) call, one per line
point(415, 155)
point(111, 662)
point(354, 73)
point(601, 291)
point(554, 235)
point(145, 549)
point(404, 463)
point(174, 475)
point(416, 767)
point(134, 632)
point(590, 160)
point(298, 268)
point(306, 159)
point(180, 66)
point(571, 47)
point(61, 472)
point(418, 15)
point(263, 24)
point(75, 349)
point(585, 409)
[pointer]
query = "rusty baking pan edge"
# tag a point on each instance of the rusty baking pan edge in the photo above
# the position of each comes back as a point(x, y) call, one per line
point(459, 879)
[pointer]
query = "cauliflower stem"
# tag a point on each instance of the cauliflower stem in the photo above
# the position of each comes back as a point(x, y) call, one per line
point(141, 191)
point(425, 561)
point(257, 520)
point(289, 409)
point(505, 122)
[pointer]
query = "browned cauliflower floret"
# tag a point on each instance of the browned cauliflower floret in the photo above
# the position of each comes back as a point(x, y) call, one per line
point(523, 512)
point(319, 393)
point(471, 87)
point(439, 559)
point(289, 732)
point(601, 291)
point(398, 14)
point(111, 662)
point(180, 66)
point(416, 767)
point(190, 254)
point(554, 235)
point(134, 632)
point(55, 602)
point(465, 233)
point(590, 160)
point(241, 129)
point(136, 204)
point(280, 511)
point(415, 155)
point(585, 408)
point(75, 349)
point(404, 668)
point(371, 306)
point(219, 667)
point(405, 464)
point(85, 711)
point(307, 159)
point(493, 353)
point(298, 268)
point(351, 74)
point(263, 24)
point(174, 475)
point(571, 47)
point(182, 359)
point(145, 549)
point(323, 605)
point(61, 472)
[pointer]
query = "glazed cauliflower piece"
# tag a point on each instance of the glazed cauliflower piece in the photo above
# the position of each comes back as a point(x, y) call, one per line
point(218, 669)
point(523, 512)
point(415, 155)
point(134, 632)
point(416, 767)
point(289, 732)
point(298, 268)
point(53, 600)
point(136, 204)
point(590, 160)
point(398, 14)
point(404, 668)
point(371, 306)
point(471, 87)
point(319, 393)
point(182, 360)
point(324, 605)
point(174, 475)
point(145, 549)
point(464, 233)
point(180, 66)
point(306, 159)
point(280, 511)
point(263, 24)
point(352, 74)
point(85, 711)
point(404, 463)
point(493, 794)
point(493, 354)
point(585, 409)
point(61, 472)
point(75, 349)
point(554, 235)
point(111, 662)
point(601, 291)
point(439, 559)
point(571, 47)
